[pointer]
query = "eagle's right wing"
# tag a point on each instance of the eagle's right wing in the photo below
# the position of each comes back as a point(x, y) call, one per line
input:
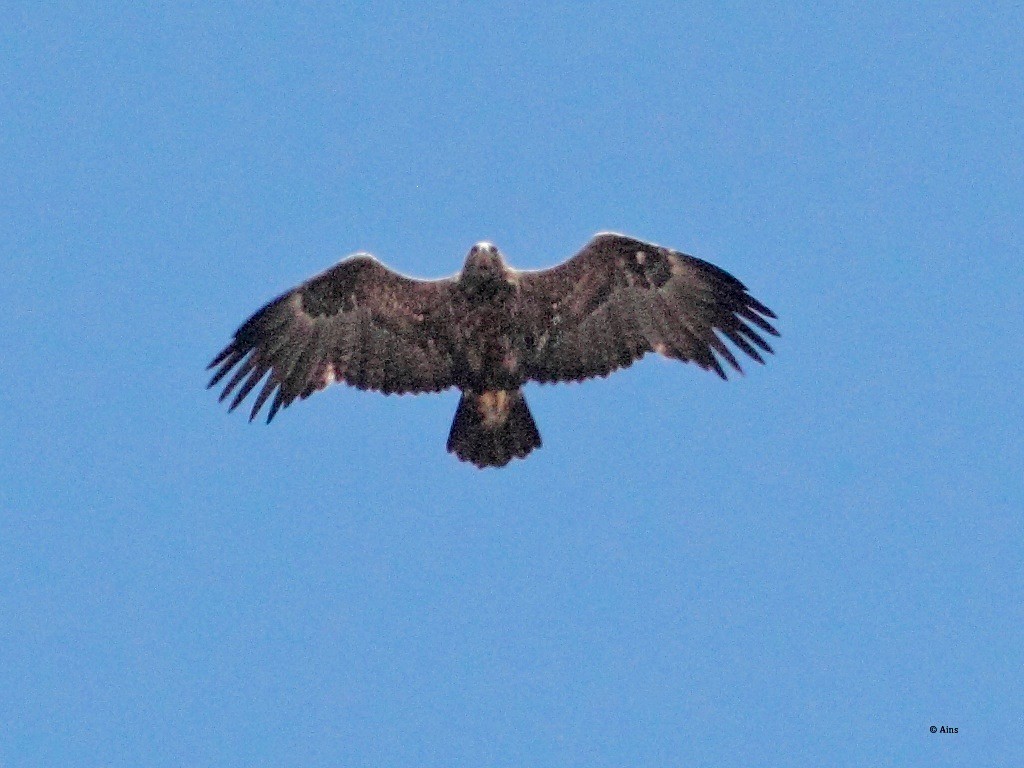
point(620, 298)
point(359, 323)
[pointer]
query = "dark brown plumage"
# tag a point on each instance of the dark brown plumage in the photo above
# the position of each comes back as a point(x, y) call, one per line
point(488, 330)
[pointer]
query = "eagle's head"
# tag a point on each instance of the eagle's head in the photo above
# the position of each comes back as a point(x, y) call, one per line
point(485, 271)
point(484, 259)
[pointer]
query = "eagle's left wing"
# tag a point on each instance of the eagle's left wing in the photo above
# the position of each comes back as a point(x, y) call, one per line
point(359, 323)
point(619, 298)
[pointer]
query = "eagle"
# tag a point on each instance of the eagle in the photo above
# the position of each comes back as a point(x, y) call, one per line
point(489, 329)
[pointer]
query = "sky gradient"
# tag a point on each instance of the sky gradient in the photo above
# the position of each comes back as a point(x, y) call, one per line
point(810, 564)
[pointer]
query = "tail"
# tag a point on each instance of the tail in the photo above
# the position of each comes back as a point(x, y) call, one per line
point(492, 428)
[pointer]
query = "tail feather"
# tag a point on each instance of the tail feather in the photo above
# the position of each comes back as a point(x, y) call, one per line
point(492, 428)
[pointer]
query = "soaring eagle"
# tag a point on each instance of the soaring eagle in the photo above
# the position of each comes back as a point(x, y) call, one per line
point(489, 329)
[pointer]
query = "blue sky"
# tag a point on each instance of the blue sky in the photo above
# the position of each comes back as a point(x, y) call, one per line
point(810, 564)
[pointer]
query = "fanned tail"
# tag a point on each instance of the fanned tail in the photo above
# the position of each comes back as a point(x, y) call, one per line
point(492, 428)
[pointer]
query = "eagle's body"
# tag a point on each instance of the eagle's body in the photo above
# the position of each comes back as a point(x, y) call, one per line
point(488, 330)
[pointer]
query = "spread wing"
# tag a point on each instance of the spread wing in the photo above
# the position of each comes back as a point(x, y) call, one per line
point(619, 298)
point(358, 322)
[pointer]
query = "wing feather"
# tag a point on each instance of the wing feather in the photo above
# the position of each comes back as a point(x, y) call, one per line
point(620, 298)
point(257, 373)
point(268, 387)
point(358, 323)
point(240, 373)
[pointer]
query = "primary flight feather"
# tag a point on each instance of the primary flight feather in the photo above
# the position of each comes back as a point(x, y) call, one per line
point(488, 330)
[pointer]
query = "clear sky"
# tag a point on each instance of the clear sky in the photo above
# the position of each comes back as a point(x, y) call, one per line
point(808, 565)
